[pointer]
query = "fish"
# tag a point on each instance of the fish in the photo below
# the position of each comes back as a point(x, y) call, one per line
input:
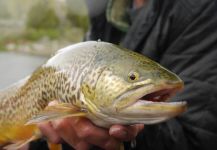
point(101, 81)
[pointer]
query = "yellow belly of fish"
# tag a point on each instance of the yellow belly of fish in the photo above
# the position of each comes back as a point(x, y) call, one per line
point(18, 136)
point(17, 133)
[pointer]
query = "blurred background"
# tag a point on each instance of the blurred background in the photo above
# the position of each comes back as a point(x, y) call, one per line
point(30, 31)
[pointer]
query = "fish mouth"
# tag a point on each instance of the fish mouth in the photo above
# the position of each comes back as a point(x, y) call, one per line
point(149, 92)
point(160, 95)
point(153, 106)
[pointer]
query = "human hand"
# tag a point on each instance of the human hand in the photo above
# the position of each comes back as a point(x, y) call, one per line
point(125, 133)
point(81, 134)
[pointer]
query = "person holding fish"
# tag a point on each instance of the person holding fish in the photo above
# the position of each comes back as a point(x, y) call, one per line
point(181, 35)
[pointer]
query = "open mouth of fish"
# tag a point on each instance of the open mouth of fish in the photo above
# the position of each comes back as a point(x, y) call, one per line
point(160, 95)
point(153, 106)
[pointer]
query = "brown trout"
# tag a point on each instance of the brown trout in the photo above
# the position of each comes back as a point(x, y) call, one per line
point(98, 80)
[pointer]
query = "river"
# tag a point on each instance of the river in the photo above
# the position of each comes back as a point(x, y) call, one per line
point(15, 66)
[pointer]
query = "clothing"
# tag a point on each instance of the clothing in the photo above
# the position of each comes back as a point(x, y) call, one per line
point(182, 36)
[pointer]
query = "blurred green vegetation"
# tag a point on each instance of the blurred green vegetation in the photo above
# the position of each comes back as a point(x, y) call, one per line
point(2, 47)
point(5, 40)
point(43, 21)
point(46, 23)
point(42, 16)
point(79, 21)
point(31, 35)
point(35, 34)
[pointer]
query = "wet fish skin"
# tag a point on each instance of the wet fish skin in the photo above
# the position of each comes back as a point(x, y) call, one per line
point(98, 80)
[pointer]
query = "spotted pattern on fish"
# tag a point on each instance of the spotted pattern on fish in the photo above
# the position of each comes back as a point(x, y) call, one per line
point(92, 76)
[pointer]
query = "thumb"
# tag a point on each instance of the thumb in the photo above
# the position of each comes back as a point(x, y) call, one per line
point(125, 133)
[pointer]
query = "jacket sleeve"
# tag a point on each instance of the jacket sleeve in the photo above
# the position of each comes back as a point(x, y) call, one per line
point(192, 54)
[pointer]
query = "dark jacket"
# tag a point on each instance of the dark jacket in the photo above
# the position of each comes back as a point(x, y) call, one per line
point(182, 36)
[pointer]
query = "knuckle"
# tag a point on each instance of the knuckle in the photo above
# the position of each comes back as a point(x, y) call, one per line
point(58, 126)
point(81, 146)
point(43, 127)
point(55, 140)
point(84, 132)
point(112, 145)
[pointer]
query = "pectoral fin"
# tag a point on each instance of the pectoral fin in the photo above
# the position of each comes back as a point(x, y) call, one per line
point(57, 111)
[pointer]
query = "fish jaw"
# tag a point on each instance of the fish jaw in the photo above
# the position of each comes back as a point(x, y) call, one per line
point(151, 106)
point(147, 112)
point(141, 112)
point(147, 90)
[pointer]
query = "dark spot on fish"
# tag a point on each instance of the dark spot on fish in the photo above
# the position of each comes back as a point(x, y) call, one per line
point(67, 99)
point(78, 95)
point(72, 88)
point(73, 99)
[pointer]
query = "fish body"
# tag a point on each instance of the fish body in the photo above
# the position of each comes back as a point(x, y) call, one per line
point(98, 80)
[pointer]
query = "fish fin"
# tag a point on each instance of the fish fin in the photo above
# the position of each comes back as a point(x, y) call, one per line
point(52, 146)
point(57, 111)
point(19, 144)
point(12, 89)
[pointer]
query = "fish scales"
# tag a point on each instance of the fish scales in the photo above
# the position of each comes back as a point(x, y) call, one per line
point(100, 80)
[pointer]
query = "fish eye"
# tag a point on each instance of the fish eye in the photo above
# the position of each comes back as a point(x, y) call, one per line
point(133, 76)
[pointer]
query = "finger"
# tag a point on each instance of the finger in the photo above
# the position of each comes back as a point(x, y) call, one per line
point(125, 133)
point(82, 146)
point(67, 133)
point(48, 131)
point(140, 127)
point(94, 135)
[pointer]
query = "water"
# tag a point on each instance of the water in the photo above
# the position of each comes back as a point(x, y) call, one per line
point(15, 66)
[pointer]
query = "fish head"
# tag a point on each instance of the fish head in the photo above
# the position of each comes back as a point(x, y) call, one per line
point(136, 89)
